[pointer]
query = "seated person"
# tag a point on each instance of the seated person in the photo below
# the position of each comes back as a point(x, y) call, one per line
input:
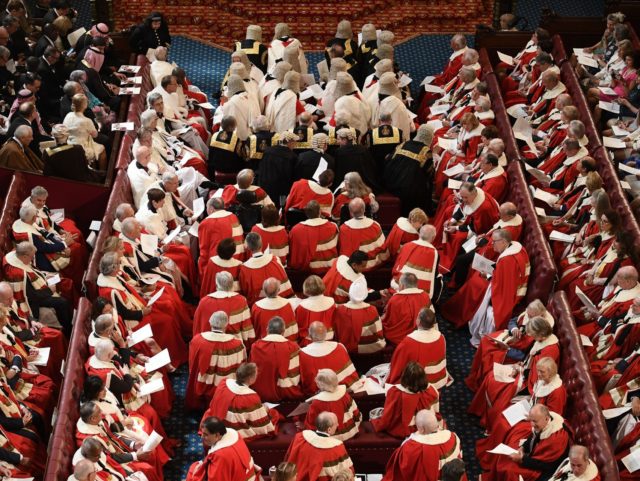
point(274, 236)
point(357, 324)
point(364, 234)
point(577, 465)
point(244, 182)
point(272, 304)
point(351, 188)
point(398, 319)
point(315, 307)
point(343, 272)
point(404, 231)
point(313, 242)
point(223, 261)
point(304, 191)
point(66, 160)
point(419, 257)
point(219, 224)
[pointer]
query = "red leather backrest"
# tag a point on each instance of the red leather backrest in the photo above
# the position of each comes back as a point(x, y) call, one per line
point(558, 51)
point(502, 120)
point(583, 411)
point(15, 196)
point(568, 77)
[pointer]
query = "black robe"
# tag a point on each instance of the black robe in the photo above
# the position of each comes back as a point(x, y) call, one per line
point(275, 174)
point(355, 158)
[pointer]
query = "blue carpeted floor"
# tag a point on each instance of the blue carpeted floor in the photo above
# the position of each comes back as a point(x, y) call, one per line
point(531, 10)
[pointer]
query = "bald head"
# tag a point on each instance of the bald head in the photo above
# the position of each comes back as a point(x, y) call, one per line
point(124, 211)
point(356, 208)
point(507, 211)
point(426, 421)
point(578, 459)
point(271, 287)
point(317, 331)
point(83, 470)
point(6, 294)
point(326, 422)
point(627, 277)
point(143, 155)
point(427, 233)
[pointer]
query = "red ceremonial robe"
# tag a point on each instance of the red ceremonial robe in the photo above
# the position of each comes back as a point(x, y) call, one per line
point(234, 305)
point(339, 278)
point(228, 460)
point(339, 403)
point(279, 371)
point(316, 308)
point(325, 355)
point(215, 265)
point(217, 226)
point(418, 257)
point(269, 307)
point(401, 312)
point(256, 270)
point(426, 347)
point(314, 245)
point(421, 456)
point(274, 238)
point(363, 234)
point(400, 408)
point(213, 357)
point(304, 191)
point(317, 458)
point(358, 327)
point(401, 233)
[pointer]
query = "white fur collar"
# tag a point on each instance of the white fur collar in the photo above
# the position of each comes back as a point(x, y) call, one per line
point(477, 202)
point(219, 214)
point(330, 396)
point(543, 390)
point(427, 336)
point(274, 338)
point(318, 303)
point(553, 426)
point(493, 173)
point(317, 188)
point(216, 336)
point(512, 250)
point(345, 269)
point(320, 349)
point(222, 295)
point(272, 303)
point(320, 442)
point(229, 439)
point(236, 388)
point(233, 262)
point(432, 439)
point(258, 261)
point(362, 223)
point(404, 224)
point(315, 222)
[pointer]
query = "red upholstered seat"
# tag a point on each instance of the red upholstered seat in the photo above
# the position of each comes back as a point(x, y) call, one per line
point(390, 210)
point(225, 178)
point(16, 194)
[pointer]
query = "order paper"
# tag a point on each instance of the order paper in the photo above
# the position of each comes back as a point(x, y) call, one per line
point(619, 132)
point(139, 335)
point(503, 372)
point(440, 109)
point(629, 169)
point(508, 59)
point(454, 184)
point(427, 80)
point(615, 412)
point(503, 449)
point(155, 297)
point(322, 166)
point(588, 61)
point(585, 300)
point(434, 89)
point(613, 143)
point(193, 230)
point(562, 237)
point(159, 360)
point(43, 356)
point(609, 106)
point(198, 207)
point(448, 144)
point(122, 126)
point(517, 412)
point(129, 69)
point(538, 174)
point(470, 244)
point(632, 461)
point(586, 342)
point(172, 235)
point(455, 170)
point(155, 385)
point(95, 225)
point(52, 281)
point(206, 105)
point(149, 244)
point(545, 197)
point(152, 443)
point(482, 264)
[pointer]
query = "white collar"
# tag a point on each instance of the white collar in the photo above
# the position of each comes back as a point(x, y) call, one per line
point(320, 442)
point(272, 303)
point(512, 250)
point(274, 338)
point(238, 389)
point(432, 439)
point(425, 336)
point(543, 390)
point(258, 261)
point(315, 222)
point(345, 269)
point(477, 202)
point(330, 396)
point(362, 223)
point(222, 295)
point(228, 439)
point(318, 303)
point(317, 188)
point(320, 349)
point(404, 225)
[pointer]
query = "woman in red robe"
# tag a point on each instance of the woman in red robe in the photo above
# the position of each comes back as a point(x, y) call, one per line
point(316, 307)
point(404, 400)
point(404, 231)
point(274, 236)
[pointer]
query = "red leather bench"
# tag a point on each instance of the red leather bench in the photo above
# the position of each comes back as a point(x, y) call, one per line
point(583, 411)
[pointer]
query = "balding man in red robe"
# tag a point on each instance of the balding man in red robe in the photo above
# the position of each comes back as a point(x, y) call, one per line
point(488, 305)
point(304, 191)
point(423, 453)
point(541, 446)
point(273, 305)
point(477, 212)
point(257, 268)
point(213, 356)
point(577, 467)
point(234, 305)
point(218, 225)
point(279, 361)
point(317, 454)
point(402, 309)
point(321, 354)
point(364, 234)
point(313, 243)
point(420, 258)
point(426, 346)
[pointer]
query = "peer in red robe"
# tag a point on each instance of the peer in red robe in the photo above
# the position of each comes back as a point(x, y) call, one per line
point(231, 303)
point(588, 469)
point(420, 258)
point(313, 245)
point(304, 191)
point(219, 264)
point(334, 398)
point(364, 234)
point(275, 238)
point(404, 231)
point(344, 272)
point(626, 445)
point(213, 357)
point(316, 307)
point(258, 268)
point(422, 455)
point(401, 312)
point(228, 458)
point(219, 225)
point(271, 306)
point(357, 324)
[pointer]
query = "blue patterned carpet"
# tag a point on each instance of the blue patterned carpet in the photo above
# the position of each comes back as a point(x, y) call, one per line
point(531, 10)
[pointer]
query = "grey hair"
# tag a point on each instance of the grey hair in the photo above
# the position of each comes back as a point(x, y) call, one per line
point(109, 263)
point(25, 248)
point(168, 175)
point(103, 346)
point(39, 191)
point(76, 75)
point(23, 131)
point(147, 117)
point(253, 241)
point(5, 53)
point(153, 97)
point(224, 281)
point(70, 88)
point(276, 325)
point(219, 320)
point(327, 380)
point(27, 212)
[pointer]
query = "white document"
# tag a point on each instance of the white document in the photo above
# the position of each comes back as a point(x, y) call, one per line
point(540, 211)
point(129, 91)
point(580, 52)
point(586, 342)
point(206, 105)
point(625, 185)
point(508, 59)
point(522, 130)
point(545, 197)
point(434, 89)
point(470, 244)
point(615, 412)
point(193, 230)
point(372, 387)
point(91, 239)
point(608, 91)
point(629, 169)
point(302, 408)
point(448, 144)
point(609, 106)
point(152, 443)
point(517, 111)
point(129, 68)
point(152, 386)
point(517, 412)
point(198, 207)
point(310, 108)
point(145, 332)
point(435, 124)
point(404, 81)
point(427, 80)
point(440, 109)
point(43, 356)
point(454, 184)
point(270, 405)
point(57, 215)
point(159, 360)
point(217, 193)
point(613, 143)
point(74, 36)
point(52, 281)
point(155, 297)
point(562, 237)
point(482, 264)
point(503, 449)
point(588, 61)
point(585, 300)
point(455, 170)
point(95, 225)
point(619, 132)
point(133, 80)
point(122, 126)
point(322, 166)
point(503, 372)
point(316, 90)
point(632, 461)
point(172, 235)
point(149, 244)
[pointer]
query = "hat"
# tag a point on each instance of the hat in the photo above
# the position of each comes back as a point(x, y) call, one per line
point(282, 30)
point(319, 141)
point(243, 58)
point(344, 85)
point(344, 30)
point(292, 81)
point(291, 55)
point(25, 94)
point(384, 52)
point(59, 131)
point(239, 69)
point(424, 134)
point(383, 66)
point(254, 32)
point(389, 85)
point(337, 65)
point(369, 32)
point(235, 84)
point(386, 38)
point(358, 291)
point(279, 70)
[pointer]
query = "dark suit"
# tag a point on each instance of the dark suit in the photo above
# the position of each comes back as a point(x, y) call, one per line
point(50, 91)
point(17, 120)
point(43, 43)
point(69, 162)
